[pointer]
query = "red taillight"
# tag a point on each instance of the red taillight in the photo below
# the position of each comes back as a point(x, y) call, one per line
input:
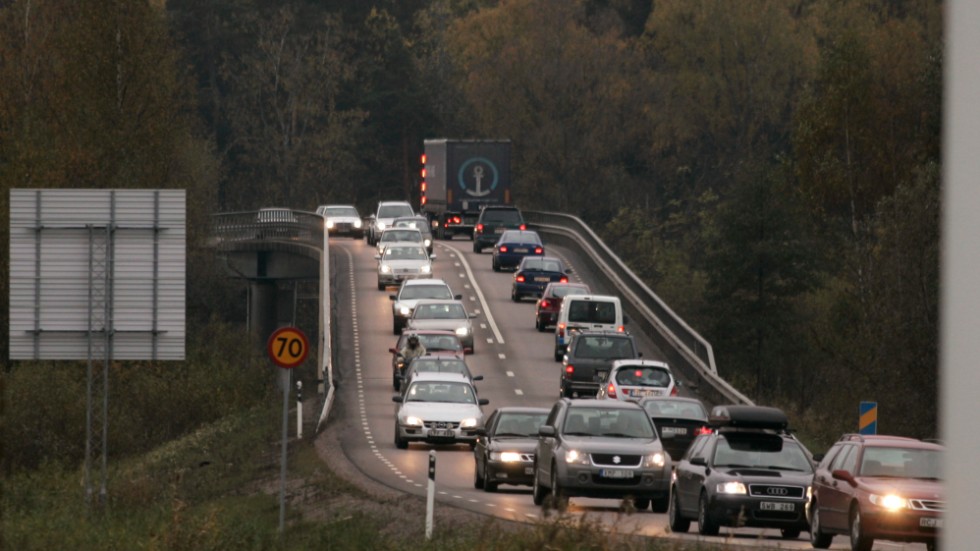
point(456, 220)
point(563, 280)
point(674, 392)
point(561, 329)
point(538, 250)
point(479, 228)
point(611, 390)
point(503, 248)
point(523, 227)
point(544, 303)
point(621, 329)
point(569, 369)
point(702, 430)
point(520, 278)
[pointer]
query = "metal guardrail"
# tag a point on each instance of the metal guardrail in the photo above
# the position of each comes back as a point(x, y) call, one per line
point(267, 225)
point(686, 350)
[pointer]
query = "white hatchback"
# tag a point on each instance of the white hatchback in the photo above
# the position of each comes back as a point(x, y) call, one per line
point(635, 379)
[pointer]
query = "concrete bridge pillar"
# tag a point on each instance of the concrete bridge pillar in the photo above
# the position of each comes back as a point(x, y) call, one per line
point(263, 309)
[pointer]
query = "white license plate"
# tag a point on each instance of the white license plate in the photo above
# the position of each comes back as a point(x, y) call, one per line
point(931, 522)
point(616, 473)
point(499, 230)
point(772, 506)
point(520, 249)
point(441, 433)
point(673, 430)
point(542, 279)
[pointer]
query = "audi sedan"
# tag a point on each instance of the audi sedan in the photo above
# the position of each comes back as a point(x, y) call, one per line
point(402, 262)
point(513, 246)
point(438, 408)
point(534, 274)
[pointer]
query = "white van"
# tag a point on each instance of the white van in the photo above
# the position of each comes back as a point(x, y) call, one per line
point(592, 312)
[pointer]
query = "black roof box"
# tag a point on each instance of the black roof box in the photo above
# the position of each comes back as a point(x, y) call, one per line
point(748, 417)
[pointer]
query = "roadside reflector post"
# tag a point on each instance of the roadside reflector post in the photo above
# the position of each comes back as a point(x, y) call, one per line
point(430, 498)
point(299, 410)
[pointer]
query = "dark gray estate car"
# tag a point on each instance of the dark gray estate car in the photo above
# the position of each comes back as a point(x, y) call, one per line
point(601, 449)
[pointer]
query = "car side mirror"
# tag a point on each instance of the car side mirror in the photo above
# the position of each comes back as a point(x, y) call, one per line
point(484, 401)
point(841, 474)
point(478, 378)
point(482, 431)
point(393, 350)
point(568, 271)
point(817, 458)
point(699, 461)
point(397, 398)
point(392, 297)
point(432, 257)
point(458, 297)
point(546, 430)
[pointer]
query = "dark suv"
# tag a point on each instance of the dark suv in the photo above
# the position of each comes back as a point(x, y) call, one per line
point(589, 358)
point(872, 487)
point(493, 221)
point(601, 449)
point(749, 471)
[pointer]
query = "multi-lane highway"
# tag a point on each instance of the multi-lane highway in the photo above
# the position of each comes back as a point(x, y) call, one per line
point(518, 367)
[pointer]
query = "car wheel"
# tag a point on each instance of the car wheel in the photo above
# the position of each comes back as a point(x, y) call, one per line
point(395, 328)
point(537, 323)
point(489, 485)
point(706, 525)
point(477, 479)
point(818, 539)
point(496, 267)
point(514, 296)
point(400, 442)
point(660, 504)
point(396, 383)
point(678, 523)
point(558, 498)
point(538, 493)
point(641, 504)
point(790, 533)
point(558, 355)
point(477, 248)
point(381, 286)
point(859, 541)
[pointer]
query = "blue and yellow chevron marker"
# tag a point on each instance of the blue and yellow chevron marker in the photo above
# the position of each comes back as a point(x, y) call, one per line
point(868, 423)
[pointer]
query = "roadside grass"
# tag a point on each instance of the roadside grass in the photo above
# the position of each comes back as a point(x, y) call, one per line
point(218, 489)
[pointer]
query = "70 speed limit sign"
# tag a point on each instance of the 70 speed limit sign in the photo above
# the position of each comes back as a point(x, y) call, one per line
point(288, 347)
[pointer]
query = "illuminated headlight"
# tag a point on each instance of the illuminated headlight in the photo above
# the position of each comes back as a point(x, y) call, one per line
point(731, 488)
point(462, 331)
point(655, 460)
point(357, 223)
point(425, 269)
point(330, 224)
point(381, 226)
point(468, 423)
point(385, 269)
point(576, 458)
point(891, 502)
point(412, 421)
point(427, 242)
point(506, 457)
point(405, 310)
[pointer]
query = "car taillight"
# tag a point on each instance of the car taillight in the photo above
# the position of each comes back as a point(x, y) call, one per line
point(561, 329)
point(538, 250)
point(673, 391)
point(479, 228)
point(519, 278)
point(563, 280)
point(456, 220)
point(503, 248)
point(523, 227)
point(621, 329)
point(569, 369)
point(611, 390)
point(702, 430)
point(544, 303)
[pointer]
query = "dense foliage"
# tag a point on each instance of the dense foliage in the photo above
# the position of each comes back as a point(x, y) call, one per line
point(770, 167)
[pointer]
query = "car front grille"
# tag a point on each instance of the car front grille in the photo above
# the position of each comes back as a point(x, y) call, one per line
point(926, 505)
point(776, 491)
point(609, 459)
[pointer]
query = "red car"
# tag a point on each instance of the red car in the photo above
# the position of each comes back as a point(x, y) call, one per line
point(546, 310)
point(870, 487)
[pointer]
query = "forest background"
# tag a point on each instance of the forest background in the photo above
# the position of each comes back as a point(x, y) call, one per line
point(769, 167)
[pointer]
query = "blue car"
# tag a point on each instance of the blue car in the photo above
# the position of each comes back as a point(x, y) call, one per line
point(513, 246)
point(535, 273)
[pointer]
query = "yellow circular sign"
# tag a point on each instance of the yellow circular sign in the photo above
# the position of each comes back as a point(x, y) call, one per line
point(288, 347)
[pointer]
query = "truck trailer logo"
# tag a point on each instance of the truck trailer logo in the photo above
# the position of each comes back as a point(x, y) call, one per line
point(478, 177)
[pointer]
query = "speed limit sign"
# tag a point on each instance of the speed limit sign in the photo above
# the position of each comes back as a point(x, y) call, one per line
point(288, 347)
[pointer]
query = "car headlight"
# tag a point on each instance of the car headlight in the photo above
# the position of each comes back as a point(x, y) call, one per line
point(330, 224)
point(427, 242)
point(575, 457)
point(506, 457)
point(357, 223)
point(467, 423)
point(655, 460)
point(462, 331)
point(425, 269)
point(891, 502)
point(381, 226)
point(734, 487)
point(385, 269)
point(404, 310)
point(412, 421)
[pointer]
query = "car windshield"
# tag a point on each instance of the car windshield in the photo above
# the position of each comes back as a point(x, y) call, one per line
point(613, 423)
point(439, 311)
point(603, 348)
point(504, 216)
point(541, 265)
point(414, 223)
point(643, 375)
point(675, 409)
point(438, 365)
point(901, 462)
point(394, 211)
point(520, 237)
point(405, 253)
point(566, 290)
point(331, 212)
point(391, 236)
point(441, 391)
point(590, 311)
point(519, 424)
point(411, 292)
point(762, 451)
point(433, 343)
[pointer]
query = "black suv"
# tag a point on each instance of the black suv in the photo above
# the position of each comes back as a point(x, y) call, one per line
point(494, 221)
point(750, 471)
point(589, 358)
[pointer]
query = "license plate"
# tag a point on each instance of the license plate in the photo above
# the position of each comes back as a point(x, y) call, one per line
point(499, 230)
point(542, 278)
point(771, 506)
point(673, 430)
point(931, 522)
point(528, 470)
point(441, 433)
point(520, 249)
point(616, 473)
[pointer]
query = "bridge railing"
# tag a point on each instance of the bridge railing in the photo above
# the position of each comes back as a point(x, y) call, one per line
point(686, 350)
point(267, 225)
